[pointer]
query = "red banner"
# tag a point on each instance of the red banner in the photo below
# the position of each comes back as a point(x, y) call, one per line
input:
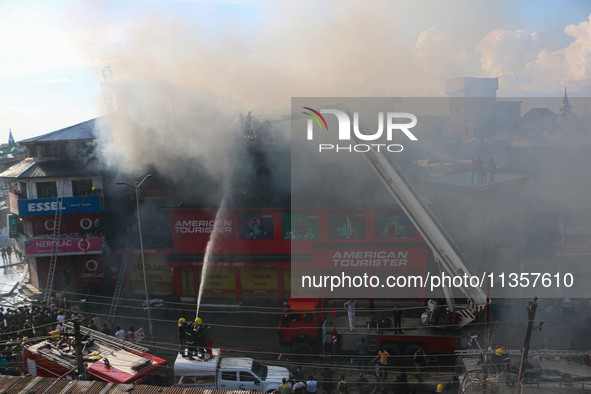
point(94, 273)
point(13, 202)
point(70, 226)
point(65, 246)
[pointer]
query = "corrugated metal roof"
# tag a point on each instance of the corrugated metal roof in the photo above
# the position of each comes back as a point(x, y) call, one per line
point(29, 168)
point(37, 385)
point(80, 131)
point(18, 168)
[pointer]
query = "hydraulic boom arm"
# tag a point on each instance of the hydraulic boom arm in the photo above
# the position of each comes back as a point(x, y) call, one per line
point(421, 218)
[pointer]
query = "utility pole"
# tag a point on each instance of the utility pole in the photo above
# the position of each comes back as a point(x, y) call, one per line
point(531, 312)
point(136, 185)
point(78, 348)
point(486, 345)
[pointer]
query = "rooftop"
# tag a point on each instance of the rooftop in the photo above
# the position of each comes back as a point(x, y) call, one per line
point(80, 131)
point(464, 180)
point(35, 168)
point(29, 384)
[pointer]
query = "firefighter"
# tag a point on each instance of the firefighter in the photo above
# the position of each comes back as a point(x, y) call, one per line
point(200, 337)
point(191, 339)
point(439, 388)
point(182, 335)
point(501, 359)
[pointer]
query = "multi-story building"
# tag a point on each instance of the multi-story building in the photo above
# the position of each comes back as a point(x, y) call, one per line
point(56, 203)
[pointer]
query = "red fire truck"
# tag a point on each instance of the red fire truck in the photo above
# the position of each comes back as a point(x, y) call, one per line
point(106, 358)
point(301, 328)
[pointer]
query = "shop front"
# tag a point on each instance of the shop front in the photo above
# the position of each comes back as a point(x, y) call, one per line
point(257, 254)
point(224, 280)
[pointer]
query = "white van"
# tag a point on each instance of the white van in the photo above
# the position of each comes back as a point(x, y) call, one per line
point(228, 373)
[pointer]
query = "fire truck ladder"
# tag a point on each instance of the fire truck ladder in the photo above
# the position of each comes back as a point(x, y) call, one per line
point(57, 220)
point(110, 340)
point(118, 288)
point(429, 228)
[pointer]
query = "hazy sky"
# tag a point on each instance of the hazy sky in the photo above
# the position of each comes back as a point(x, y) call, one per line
point(259, 54)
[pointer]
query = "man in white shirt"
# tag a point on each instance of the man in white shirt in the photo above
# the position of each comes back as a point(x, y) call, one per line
point(61, 318)
point(299, 387)
point(350, 307)
point(120, 333)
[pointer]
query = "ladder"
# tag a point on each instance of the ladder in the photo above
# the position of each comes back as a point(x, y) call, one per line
point(118, 288)
point(54, 250)
point(109, 340)
point(372, 339)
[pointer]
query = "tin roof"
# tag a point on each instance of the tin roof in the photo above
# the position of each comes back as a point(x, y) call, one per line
point(80, 131)
point(30, 384)
point(32, 168)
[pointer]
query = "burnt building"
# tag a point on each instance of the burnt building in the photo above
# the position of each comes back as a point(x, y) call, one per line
point(56, 203)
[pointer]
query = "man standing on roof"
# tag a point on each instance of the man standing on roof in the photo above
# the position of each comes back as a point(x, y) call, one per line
point(350, 307)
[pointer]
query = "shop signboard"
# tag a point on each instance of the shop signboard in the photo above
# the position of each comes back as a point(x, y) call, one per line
point(65, 246)
point(12, 226)
point(67, 205)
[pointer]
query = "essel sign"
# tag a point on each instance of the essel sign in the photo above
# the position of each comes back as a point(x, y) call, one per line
point(67, 205)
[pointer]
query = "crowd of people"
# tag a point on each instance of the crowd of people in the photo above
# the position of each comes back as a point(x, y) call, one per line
point(7, 254)
point(362, 383)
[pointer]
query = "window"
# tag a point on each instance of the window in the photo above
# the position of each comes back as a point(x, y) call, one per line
point(346, 225)
point(260, 370)
point(53, 150)
point(300, 225)
point(81, 187)
point(308, 318)
point(246, 377)
point(46, 189)
point(295, 317)
point(393, 224)
point(228, 375)
point(23, 190)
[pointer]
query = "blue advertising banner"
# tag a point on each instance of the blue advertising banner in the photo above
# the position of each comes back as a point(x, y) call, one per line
point(68, 205)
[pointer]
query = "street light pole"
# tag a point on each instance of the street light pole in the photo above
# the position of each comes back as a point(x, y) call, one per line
point(136, 185)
